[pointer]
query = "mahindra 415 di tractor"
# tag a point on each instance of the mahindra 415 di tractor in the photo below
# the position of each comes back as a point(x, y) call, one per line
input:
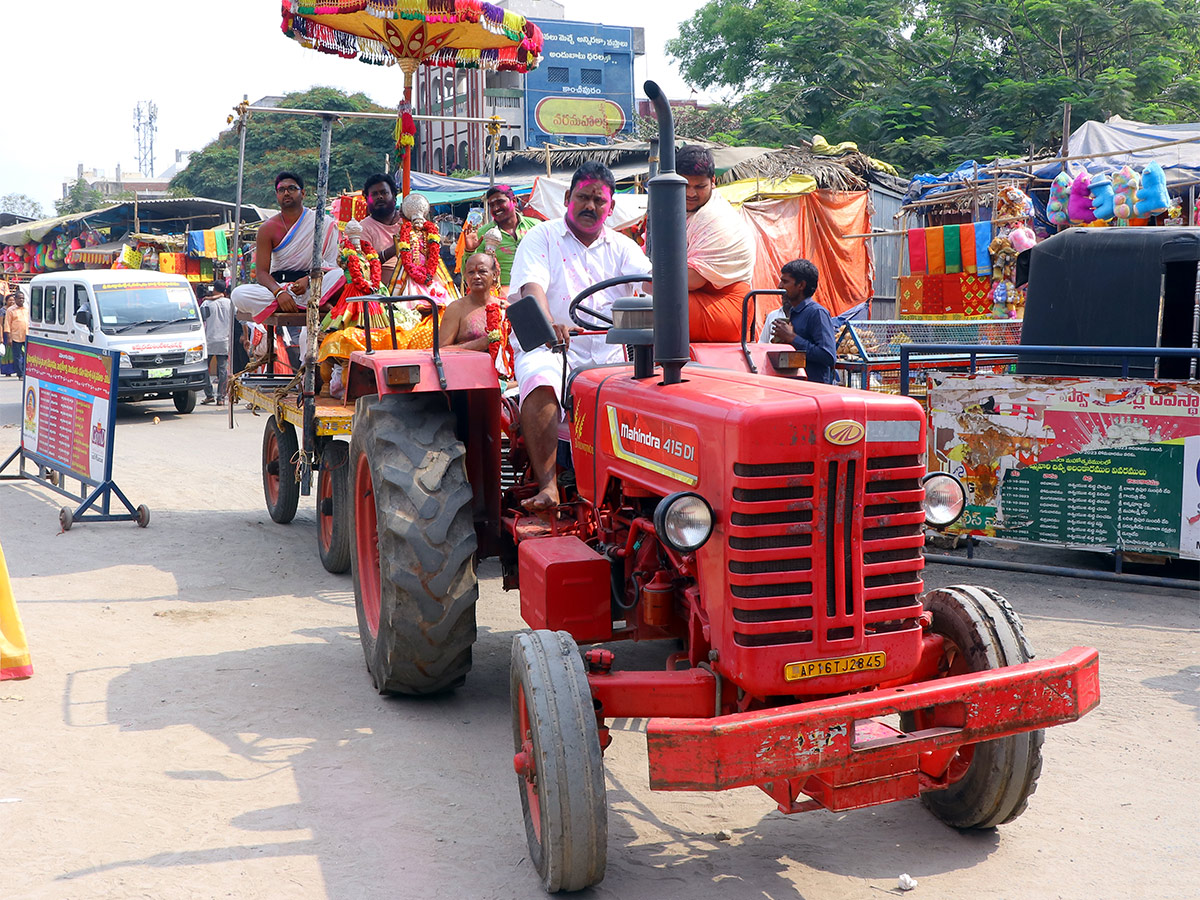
point(767, 530)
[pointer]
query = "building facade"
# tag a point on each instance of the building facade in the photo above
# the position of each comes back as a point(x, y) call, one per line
point(581, 91)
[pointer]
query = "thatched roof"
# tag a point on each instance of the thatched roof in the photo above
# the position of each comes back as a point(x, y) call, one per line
point(568, 156)
point(843, 173)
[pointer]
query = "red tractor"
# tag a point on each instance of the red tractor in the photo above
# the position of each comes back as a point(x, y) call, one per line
point(771, 530)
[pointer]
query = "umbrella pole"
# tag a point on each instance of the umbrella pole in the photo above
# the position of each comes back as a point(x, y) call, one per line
point(408, 66)
point(234, 326)
point(313, 310)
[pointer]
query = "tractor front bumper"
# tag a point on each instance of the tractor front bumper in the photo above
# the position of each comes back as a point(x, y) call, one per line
point(841, 743)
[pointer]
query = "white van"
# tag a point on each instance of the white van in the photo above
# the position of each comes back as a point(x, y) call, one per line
point(152, 318)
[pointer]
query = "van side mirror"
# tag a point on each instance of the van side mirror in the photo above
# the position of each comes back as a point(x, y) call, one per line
point(84, 317)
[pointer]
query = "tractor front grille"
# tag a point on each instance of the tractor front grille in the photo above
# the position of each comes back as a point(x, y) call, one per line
point(824, 552)
point(893, 535)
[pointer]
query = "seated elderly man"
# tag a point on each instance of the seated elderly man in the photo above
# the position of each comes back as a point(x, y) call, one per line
point(554, 262)
point(720, 251)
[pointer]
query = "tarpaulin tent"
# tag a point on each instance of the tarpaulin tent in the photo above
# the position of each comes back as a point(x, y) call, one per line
point(1117, 137)
point(810, 226)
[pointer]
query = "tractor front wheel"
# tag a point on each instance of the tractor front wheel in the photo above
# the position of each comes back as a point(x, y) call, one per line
point(334, 539)
point(993, 780)
point(414, 544)
point(560, 770)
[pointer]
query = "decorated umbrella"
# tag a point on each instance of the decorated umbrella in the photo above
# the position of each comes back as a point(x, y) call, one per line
point(456, 33)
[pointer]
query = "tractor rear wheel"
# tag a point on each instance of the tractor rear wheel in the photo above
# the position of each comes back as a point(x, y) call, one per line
point(994, 779)
point(280, 487)
point(334, 540)
point(414, 544)
point(560, 769)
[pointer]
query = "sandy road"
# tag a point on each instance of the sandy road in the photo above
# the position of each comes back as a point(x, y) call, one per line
point(201, 725)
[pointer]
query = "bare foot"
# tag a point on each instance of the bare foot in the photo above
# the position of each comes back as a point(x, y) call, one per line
point(544, 500)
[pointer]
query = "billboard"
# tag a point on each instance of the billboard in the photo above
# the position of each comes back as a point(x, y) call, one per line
point(583, 89)
point(1087, 463)
point(69, 408)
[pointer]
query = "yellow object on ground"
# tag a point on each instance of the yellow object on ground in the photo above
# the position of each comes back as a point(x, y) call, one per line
point(14, 651)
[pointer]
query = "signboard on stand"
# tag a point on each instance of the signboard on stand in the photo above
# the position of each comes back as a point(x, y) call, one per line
point(1086, 463)
point(68, 420)
point(69, 408)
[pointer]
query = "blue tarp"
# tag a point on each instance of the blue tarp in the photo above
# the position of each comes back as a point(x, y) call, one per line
point(1181, 162)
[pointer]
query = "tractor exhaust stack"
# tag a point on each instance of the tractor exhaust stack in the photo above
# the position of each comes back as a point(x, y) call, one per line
point(668, 247)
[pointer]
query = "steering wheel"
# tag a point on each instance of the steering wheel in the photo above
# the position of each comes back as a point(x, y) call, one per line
point(577, 306)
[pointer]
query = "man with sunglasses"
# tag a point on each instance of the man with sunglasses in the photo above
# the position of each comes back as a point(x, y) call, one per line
point(284, 253)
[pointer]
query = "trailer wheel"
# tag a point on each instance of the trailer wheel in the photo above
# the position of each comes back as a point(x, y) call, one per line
point(414, 544)
point(559, 766)
point(992, 780)
point(334, 539)
point(280, 487)
point(185, 401)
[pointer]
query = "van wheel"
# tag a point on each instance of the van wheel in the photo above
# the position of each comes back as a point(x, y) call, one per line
point(185, 401)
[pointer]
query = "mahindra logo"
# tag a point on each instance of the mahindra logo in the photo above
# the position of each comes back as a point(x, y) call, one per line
point(844, 431)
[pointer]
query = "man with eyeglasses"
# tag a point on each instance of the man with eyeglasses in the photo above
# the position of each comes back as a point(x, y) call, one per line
point(284, 253)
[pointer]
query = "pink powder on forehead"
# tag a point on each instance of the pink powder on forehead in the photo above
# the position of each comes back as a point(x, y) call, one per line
point(593, 181)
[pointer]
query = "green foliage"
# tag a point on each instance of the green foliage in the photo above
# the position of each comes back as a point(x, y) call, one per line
point(927, 84)
point(21, 205)
point(716, 123)
point(464, 173)
point(81, 197)
point(277, 143)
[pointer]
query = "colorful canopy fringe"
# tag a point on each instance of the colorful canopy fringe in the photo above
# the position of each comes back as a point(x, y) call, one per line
point(459, 29)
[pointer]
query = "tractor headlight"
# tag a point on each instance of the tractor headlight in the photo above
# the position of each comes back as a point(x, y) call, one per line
point(193, 355)
point(945, 499)
point(683, 521)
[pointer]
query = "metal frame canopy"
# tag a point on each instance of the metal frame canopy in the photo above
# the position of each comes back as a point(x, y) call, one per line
point(466, 34)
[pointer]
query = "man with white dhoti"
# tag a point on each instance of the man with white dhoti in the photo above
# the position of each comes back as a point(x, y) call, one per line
point(720, 252)
point(284, 254)
point(556, 261)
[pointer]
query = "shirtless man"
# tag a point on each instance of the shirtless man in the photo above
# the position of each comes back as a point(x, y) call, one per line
point(284, 252)
point(556, 261)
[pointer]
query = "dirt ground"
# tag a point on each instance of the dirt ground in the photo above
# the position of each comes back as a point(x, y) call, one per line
point(200, 724)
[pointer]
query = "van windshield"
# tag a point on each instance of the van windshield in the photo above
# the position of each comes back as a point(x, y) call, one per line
point(144, 303)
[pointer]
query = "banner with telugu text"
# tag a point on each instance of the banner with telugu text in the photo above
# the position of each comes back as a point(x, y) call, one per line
point(1088, 463)
point(69, 407)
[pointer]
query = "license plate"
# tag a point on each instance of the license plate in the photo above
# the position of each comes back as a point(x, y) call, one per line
point(159, 373)
point(845, 665)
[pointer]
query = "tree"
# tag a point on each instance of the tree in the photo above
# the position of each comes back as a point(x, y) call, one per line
point(81, 197)
point(276, 143)
point(21, 205)
point(927, 84)
point(717, 123)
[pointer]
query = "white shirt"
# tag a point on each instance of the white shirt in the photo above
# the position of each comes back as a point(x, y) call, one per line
point(552, 257)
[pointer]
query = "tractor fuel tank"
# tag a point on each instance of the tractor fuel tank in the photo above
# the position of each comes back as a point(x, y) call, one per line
point(566, 585)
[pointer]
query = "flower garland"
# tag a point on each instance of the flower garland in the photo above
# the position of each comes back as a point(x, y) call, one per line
point(498, 330)
point(351, 261)
point(422, 273)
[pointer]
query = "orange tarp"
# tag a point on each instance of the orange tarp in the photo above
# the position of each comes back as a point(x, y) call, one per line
point(810, 226)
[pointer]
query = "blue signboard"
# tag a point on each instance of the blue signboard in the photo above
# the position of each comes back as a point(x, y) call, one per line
point(583, 89)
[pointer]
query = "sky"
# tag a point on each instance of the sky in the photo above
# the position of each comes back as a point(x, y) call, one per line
point(86, 67)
